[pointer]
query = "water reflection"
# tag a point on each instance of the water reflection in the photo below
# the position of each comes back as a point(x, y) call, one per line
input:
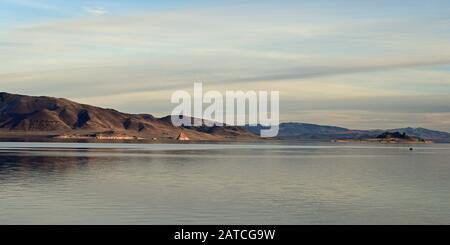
point(209, 184)
point(26, 165)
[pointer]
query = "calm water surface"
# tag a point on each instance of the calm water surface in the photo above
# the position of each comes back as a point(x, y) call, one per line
point(51, 183)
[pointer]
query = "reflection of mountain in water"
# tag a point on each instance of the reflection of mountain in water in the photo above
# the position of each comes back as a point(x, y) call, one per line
point(42, 165)
point(47, 164)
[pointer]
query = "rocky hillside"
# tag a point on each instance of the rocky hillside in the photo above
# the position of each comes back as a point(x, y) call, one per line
point(397, 136)
point(55, 116)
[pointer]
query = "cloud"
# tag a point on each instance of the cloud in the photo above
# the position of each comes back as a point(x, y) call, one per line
point(121, 60)
point(351, 67)
point(364, 119)
point(96, 11)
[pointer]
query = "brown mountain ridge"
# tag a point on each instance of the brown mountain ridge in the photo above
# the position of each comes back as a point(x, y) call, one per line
point(22, 115)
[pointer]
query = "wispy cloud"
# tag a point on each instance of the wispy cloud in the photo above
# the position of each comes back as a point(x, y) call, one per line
point(96, 11)
point(310, 56)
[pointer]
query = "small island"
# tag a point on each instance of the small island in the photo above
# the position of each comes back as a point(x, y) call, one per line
point(392, 138)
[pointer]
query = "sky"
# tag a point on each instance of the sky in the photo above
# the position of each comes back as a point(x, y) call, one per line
point(358, 64)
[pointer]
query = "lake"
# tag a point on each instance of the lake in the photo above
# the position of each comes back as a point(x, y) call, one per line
point(76, 183)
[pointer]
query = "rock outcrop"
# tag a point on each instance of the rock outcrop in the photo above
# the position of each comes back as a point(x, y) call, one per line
point(183, 137)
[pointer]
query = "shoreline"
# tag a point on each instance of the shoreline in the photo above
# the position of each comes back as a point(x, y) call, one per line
point(392, 142)
point(123, 138)
point(120, 140)
point(44, 139)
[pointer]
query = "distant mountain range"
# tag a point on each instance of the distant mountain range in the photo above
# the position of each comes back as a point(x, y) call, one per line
point(30, 116)
point(26, 116)
point(305, 131)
